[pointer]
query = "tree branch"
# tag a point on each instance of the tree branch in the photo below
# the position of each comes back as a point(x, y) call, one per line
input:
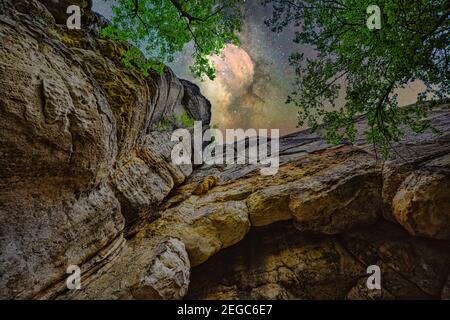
point(191, 18)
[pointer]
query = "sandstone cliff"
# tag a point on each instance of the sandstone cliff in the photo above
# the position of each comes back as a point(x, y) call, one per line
point(81, 153)
point(86, 179)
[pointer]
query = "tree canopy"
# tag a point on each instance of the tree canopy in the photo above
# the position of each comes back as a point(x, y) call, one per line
point(366, 66)
point(412, 44)
point(161, 28)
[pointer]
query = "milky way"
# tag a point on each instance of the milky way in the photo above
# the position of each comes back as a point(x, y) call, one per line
point(254, 79)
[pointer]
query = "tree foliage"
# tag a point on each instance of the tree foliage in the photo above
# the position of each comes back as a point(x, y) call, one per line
point(369, 65)
point(161, 28)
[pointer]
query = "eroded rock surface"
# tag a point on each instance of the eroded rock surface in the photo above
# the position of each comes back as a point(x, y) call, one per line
point(82, 157)
point(87, 180)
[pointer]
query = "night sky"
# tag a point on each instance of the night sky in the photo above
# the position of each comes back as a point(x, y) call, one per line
point(254, 79)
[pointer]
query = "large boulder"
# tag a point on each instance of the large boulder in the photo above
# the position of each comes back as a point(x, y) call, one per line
point(422, 203)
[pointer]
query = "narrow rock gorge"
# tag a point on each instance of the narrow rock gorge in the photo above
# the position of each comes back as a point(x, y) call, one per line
point(87, 180)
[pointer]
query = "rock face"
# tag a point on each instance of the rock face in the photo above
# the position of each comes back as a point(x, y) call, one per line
point(82, 161)
point(87, 180)
point(280, 263)
point(337, 210)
